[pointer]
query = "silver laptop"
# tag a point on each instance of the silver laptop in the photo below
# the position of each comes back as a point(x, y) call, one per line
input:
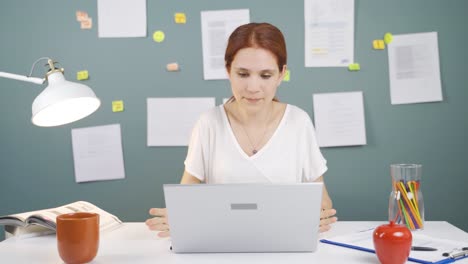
point(243, 217)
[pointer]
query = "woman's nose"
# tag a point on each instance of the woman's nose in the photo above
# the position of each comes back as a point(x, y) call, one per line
point(253, 85)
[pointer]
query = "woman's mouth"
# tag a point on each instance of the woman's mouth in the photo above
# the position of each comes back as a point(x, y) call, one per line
point(253, 100)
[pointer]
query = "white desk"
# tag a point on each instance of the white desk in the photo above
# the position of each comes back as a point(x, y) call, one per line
point(133, 243)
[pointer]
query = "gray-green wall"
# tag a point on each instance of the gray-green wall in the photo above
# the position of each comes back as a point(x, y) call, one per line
point(36, 164)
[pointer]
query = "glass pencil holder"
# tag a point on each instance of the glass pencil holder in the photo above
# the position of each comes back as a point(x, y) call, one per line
point(406, 203)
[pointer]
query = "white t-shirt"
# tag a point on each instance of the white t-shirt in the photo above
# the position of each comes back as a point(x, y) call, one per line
point(290, 156)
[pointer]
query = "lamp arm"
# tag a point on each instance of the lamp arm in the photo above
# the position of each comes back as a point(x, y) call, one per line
point(22, 78)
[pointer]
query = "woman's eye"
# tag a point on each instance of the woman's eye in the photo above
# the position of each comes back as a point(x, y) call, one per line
point(243, 74)
point(266, 76)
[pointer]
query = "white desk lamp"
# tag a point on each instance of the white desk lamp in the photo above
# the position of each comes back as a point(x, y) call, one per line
point(61, 102)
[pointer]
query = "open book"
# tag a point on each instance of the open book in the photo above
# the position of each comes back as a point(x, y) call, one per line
point(43, 222)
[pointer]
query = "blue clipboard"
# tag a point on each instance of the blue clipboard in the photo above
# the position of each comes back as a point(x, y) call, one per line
point(443, 261)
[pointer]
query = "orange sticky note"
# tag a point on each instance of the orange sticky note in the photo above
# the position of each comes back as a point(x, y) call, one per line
point(172, 66)
point(117, 106)
point(180, 18)
point(87, 23)
point(378, 44)
point(81, 16)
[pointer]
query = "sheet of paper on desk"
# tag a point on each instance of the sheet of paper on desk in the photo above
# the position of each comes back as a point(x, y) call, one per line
point(364, 239)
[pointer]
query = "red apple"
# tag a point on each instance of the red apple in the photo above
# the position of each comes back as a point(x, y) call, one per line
point(392, 243)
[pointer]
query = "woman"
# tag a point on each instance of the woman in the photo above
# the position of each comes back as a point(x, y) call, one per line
point(253, 138)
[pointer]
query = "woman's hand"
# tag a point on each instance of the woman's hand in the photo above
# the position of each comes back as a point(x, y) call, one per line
point(159, 222)
point(326, 219)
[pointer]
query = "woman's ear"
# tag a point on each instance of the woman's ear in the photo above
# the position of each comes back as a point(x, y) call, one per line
point(285, 68)
point(282, 74)
point(227, 70)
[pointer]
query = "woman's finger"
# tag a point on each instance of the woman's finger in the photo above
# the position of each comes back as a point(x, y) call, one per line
point(159, 227)
point(155, 221)
point(327, 213)
point(164, 234)
point(324, 228)
point(161, 212)
point(328, 221)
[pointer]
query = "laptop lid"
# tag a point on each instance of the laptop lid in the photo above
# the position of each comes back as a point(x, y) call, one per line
point(243, 217)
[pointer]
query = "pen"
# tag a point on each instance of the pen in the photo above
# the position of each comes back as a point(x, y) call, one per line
point(462, 253)
point(416, 248)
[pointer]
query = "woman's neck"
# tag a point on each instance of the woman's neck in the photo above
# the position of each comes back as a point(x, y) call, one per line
point(252, 117)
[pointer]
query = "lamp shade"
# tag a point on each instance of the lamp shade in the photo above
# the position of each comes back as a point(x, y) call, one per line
point(63, 102)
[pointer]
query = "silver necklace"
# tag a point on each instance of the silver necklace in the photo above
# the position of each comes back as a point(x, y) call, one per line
point(254, 146)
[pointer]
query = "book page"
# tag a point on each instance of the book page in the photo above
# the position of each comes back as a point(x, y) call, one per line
point(27, 231)
point(47, 217)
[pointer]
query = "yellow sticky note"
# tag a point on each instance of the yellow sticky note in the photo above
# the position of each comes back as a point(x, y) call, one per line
point(117, 106)
point(378, 44)
point(158, 36)
point(82, 75)
point(287, 76)
point(354, 67)
point(319, 51)
point(388, 37)
point(180, 18)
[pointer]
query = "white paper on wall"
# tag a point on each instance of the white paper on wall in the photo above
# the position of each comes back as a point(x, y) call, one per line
point(413, 63)
point(217, 26)
point(97, 153)
point(170, 120)
point(339, 119)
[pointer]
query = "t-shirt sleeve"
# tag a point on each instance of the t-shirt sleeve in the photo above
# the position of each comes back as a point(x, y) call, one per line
point(315, 164)
point(195, 160)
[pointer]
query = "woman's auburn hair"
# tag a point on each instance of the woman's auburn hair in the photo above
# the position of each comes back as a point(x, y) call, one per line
point(256, 35)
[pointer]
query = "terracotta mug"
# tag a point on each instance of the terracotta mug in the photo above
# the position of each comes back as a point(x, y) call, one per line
point(78, 237)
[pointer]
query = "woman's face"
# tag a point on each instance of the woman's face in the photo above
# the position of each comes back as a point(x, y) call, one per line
point(254, 77)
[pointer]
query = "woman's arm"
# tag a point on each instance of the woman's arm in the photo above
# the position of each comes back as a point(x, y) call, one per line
point(159, 221)
point(327, 215)
point(188, 178)
point(326, 200)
